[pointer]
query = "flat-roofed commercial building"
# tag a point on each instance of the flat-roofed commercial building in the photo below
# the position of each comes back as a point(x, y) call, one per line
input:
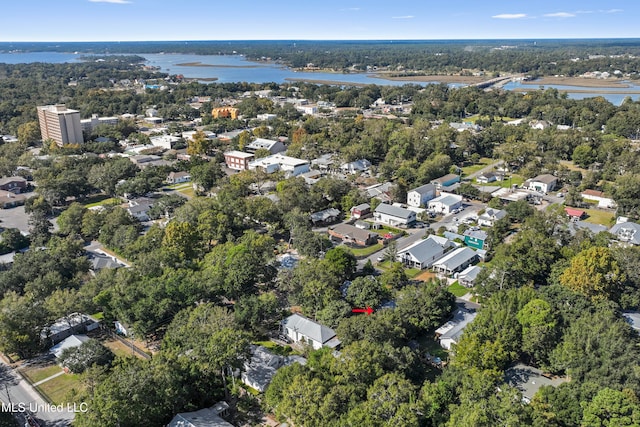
point(61, 124)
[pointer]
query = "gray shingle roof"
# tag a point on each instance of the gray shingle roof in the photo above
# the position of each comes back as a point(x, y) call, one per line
point(456, 258)
point(423, 250)
point(424, 189)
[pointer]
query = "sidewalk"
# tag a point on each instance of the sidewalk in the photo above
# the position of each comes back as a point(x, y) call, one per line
point(49, 378)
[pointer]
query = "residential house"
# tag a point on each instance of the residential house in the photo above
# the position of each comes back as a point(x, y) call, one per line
point(446, 181)
point(394, 215)
point(72, 341)
point(139, 208)
point(529, 380)
point(189, 134)
point(102, 261)
point(451, 332)
point(381, 192)
point(326, 216)
point(353, 235)
point(64, 327)
point(539, 124)
point(237, 160)
point(628, 232)
point(324, 162)
point(9, 199)
point(461, 127)
point(305, 331)
point(468, 276)
point(487, 177)
point(361, 211)
point(207, 417)
point(270, 145)
point(455, 261)
point(290, 165)
point(266, 116)
point(312, 177)
point(575, 214)
point(420, 196)
point(475, 238)
point(178, 177)
point(14, 184)
point(542, 183)
point(165, 141)
point(423, 253)
point(445, 203)
point(263, 365)
point(600, 197)
point(355, 167)
point(490, 216)
point(633, 319)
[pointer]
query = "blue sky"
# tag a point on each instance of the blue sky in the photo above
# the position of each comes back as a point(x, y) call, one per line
point(124, 20)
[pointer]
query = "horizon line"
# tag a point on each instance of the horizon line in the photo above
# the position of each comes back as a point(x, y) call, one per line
point(389, 40)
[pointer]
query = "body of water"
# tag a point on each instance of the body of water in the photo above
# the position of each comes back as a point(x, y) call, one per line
point(229, 68)
point(582, 92)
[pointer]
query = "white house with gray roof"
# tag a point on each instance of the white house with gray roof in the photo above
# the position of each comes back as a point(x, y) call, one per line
point(394, 215)
point(455, 261)
point(445, 203)
point(490, 216)
point(628, 232)
point(450, 333)
point(270, 145)
point(305, 331)
point(420, 196)
point(423, 253)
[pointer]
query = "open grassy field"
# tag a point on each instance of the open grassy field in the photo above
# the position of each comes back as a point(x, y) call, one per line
point(119, 348)
point(597, 216)
point(57, 389)
point(484, 162)
point(426, 275)
point(102, 201)
point(38, 373)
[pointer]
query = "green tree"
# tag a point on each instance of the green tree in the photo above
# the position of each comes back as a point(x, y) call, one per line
point(612, 408)
point(424, 306)
point(594, 273)
point(538, 329)
point(366, 292)
point(70, 221)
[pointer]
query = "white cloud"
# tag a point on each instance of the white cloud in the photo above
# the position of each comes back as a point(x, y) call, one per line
point(350, 9)
point(403, 17)
point(613, 11)
point(110, 1)
point(510, 16)
point(560, 15)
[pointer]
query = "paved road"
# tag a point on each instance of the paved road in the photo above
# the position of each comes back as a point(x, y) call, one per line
point(22, 395)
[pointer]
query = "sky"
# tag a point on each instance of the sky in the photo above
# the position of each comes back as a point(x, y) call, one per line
point(145, 20)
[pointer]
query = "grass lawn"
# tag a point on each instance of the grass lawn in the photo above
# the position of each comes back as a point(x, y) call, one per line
point(484, 161)
point(39, 373)
point(426, 276)
point(189, 192)
point(119, 348)
point(596, 216)
point(363, 252)
point(432, 346)
point(515, 179)
point(457, 289)
point(103, 202)
point(57, 389)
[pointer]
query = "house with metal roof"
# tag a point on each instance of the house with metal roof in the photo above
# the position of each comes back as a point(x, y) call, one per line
point(446, 181)
point(325, 216)
point(305, 331)
point(420, 196)
point(489, 217)
point(263, 365)
point(468, 276)
point(423, 253)
point(71, 341)
point(445, 203)
point(628, 232)
point(270, 145)
point(394, 215)
point(207, 417)
point(543, 183)
point(529, 380)
point(475, 238)
point(455, 261)
point(450, 333)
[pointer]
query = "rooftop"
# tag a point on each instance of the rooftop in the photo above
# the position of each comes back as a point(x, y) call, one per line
point(424, 189)
point(456, 258)
point(394, 211)
point(309, 328)
point(238, 154)
point(529, 380)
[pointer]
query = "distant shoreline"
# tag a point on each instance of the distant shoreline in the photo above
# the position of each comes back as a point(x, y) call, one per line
point(469, 80)
point(578, 81)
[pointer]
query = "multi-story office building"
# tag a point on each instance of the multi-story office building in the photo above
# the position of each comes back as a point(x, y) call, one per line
point(60, 124)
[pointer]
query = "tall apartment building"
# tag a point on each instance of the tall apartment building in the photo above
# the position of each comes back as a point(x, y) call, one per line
point(60, 124)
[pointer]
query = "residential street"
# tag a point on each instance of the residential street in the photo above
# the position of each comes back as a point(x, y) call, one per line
point(21, 393)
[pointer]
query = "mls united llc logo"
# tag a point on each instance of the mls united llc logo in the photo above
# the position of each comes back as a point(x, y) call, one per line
point(34, 408)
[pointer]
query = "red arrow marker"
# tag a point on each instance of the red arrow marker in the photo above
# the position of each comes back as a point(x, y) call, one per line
point(367, 310)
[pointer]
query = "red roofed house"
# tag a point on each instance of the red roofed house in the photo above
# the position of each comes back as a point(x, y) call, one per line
point(575, 214)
